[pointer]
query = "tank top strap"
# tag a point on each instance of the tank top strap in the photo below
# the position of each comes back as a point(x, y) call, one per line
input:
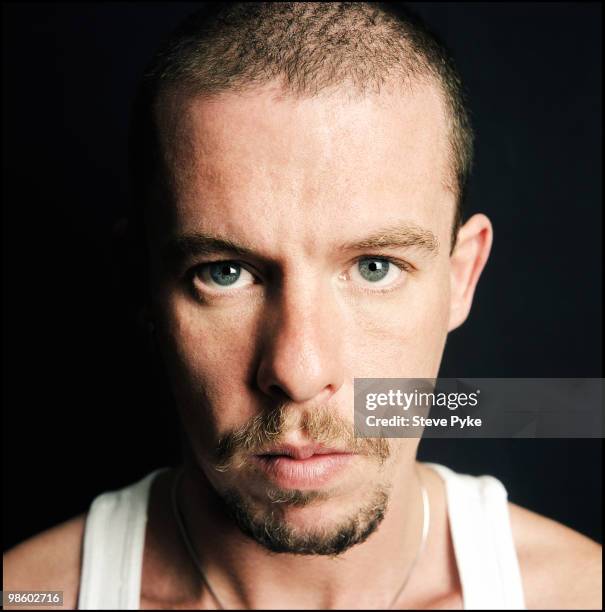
point(113, 544)
point(483, 541)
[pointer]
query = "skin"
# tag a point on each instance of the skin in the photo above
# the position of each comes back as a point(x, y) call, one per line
point(293, 181)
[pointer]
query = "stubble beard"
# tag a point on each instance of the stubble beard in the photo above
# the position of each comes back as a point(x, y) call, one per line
point(271, 529)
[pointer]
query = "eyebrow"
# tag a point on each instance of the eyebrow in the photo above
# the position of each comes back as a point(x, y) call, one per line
point(199, 243)
point(404, 236)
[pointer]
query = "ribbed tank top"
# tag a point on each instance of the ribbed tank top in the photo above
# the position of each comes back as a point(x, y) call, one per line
point(114, 539)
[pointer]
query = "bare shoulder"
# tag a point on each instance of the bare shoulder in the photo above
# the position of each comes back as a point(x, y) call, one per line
point(561, 568)
point(48, 561)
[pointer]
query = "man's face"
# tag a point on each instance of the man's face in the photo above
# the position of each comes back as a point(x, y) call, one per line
point(308, 245)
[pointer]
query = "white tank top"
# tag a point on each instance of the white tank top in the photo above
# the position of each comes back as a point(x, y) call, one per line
point(487, 563)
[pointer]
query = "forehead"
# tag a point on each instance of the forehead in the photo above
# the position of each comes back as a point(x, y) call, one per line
point(268, 163)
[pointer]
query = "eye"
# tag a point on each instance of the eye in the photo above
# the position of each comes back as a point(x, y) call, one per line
point(376, 271)
point(222, 275)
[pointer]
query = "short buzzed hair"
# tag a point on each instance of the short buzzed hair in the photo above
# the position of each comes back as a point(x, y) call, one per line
point(307, 47)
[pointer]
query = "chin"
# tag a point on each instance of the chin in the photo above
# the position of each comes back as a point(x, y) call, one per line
point(307, 522)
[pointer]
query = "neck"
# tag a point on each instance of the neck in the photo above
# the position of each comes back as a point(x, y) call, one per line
point(245, 575)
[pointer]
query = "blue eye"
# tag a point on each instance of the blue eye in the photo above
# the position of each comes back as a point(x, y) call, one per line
point(373, 270)
point(221, 276)
point(376, 272)
point(224, 273)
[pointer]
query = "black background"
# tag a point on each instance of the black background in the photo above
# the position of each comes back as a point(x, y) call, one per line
point(83, 409)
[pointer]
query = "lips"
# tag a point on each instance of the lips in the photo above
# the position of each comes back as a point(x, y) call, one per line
point(302, 467)
point(302, 452)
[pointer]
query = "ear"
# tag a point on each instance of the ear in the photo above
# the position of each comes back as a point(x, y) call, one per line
point(466, 264)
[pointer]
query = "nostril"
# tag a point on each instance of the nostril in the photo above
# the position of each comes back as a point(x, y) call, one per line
point(278, 393)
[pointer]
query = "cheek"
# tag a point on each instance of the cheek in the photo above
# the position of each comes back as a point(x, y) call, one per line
point(403, 334)
point(207, 354)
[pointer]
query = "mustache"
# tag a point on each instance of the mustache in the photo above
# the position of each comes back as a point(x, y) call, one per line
point(321, 425)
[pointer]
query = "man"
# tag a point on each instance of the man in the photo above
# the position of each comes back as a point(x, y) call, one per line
point(299, 171)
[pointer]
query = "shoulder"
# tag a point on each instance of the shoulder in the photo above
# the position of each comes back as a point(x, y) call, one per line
point(48, 561)
point(560, 568)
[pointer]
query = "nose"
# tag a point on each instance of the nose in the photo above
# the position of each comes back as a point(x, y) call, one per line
point(301, 356)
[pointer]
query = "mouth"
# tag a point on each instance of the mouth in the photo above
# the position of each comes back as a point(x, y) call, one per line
point(302, 467)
